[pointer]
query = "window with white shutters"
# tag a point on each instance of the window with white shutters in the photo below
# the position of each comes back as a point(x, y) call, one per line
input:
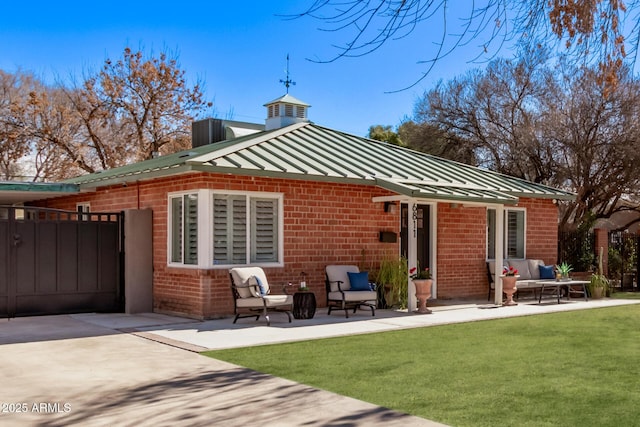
point(183, 233)
point(238, 241)
point(514, 233)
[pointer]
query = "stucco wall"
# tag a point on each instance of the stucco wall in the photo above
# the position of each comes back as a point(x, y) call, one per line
point(324, 223)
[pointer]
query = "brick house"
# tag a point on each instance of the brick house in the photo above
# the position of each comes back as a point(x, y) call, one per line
point(297, 196)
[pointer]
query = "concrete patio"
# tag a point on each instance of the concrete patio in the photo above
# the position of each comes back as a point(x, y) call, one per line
point(223, 333)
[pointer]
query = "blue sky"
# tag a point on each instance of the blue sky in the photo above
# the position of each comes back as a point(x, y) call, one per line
point(238, 48)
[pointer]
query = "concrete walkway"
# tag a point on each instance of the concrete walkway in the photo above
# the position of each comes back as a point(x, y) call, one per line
point(222, 334)
point(115, 369)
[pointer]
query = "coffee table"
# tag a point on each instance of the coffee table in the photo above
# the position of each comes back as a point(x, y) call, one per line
point(559, 284)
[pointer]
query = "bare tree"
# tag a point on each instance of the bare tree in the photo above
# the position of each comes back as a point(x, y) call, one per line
point(13, 143)
point(430, 139)
point(131, 110)
point(56, 132)
point(591, 31)
point(598, 138)
point(553, 127)
point(151, 99)
point(495, 114)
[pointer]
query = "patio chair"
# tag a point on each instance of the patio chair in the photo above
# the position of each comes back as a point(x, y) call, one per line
point(251, 295)
point(348, 288)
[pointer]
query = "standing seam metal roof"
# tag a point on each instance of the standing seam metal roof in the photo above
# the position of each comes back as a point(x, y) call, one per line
point(309, 151)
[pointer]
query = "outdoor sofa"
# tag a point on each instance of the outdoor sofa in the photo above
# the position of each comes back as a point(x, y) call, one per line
point(531, 272)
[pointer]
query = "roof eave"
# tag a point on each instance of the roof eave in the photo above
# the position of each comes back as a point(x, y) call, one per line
point(136, 176)
point(399, 188)
point(555, 196)
point(39, 187)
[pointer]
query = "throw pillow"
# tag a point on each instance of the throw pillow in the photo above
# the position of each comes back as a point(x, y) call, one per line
point(546, 272)
point(261, 286)
point(533, 267)
point(359, 281)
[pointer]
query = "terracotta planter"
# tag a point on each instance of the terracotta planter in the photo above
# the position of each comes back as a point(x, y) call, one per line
point(423, 292)
point(596, 293)
point(509, 288)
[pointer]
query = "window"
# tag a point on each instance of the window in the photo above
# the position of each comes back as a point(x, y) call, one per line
point(83, 207)
point(514, 233)
point(183, 232)
point(246, 229)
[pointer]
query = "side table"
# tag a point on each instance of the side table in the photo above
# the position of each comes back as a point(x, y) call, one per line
point(304, 305)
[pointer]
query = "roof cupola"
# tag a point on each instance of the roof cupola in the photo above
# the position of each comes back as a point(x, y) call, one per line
point(285, 111)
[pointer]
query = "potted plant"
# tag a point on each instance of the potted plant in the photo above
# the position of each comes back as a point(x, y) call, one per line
point(423, 282)
point(599, 284)
point(392, 278)
point(563, 270)
point(509, 277)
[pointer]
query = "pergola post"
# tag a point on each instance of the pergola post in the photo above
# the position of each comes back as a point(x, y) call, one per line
point(412, 252)
point(499, 255)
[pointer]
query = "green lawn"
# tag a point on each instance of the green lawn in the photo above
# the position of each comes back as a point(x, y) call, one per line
point(626, 295)
point(578, 368)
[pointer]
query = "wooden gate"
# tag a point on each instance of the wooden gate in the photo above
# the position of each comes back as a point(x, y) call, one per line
point(54, 262)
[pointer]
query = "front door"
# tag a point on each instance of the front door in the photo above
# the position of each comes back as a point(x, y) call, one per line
point(422, 217)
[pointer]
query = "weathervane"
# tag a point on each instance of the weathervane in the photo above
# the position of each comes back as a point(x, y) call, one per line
point(288, 82)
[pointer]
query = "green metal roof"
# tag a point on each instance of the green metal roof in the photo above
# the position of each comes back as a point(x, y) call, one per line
point(312, 152)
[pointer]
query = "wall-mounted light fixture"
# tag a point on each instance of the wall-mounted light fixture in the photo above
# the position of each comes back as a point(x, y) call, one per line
point(390, 207)
point(453, 205)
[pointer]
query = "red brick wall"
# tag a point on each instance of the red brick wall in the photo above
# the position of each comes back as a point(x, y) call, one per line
point(542, 229)
point(462, 244)
point(324, 223)
point(462, 237)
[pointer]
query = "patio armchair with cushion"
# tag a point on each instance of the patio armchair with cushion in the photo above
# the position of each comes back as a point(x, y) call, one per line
point(252, 297)
point(348, 288)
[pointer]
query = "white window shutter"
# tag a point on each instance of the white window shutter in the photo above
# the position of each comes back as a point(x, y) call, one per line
point(191, 229)
point(264, 219)
point(229, 229)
